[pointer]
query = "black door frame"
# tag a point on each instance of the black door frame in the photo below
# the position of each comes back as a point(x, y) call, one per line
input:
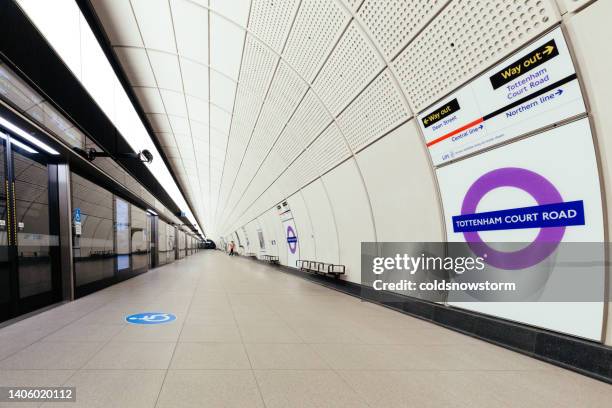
point(17, 305)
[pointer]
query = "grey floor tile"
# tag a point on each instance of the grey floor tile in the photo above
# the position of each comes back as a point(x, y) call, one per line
point(280, 333)
point(82, 331)
point(295, 335)
point(399, 389)
point(294, 388)
point(216, 388)
point(372, 357)
point(210, 356)
point(210, 333)
point(133, 355)
point(284, 356)
point(114, 388)
point(52, 355)
point(147, 333)
point(316, 334)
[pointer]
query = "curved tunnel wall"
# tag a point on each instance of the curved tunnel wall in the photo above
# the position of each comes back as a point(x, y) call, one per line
point(324, 111)
point(383, 187)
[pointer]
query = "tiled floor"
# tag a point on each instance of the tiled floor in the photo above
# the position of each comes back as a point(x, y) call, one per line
point(247, 335)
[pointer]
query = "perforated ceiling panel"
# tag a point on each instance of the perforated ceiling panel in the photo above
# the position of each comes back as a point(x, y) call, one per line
point(373, 113)
point(328, 150)
point(317, 27)
point(308, 122)
point(466, 37)
point(256, 72)
point(352, 64)
point(353, 4)
point(284, 96)
point(393, 23)
point(271, 19)
point(247, 117)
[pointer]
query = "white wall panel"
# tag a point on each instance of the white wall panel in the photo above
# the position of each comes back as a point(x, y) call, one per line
point(135, 63)
point(271, 223)
point(236, 10)
point(573, 5)
point(323, 222)
point(125, 33)
point(226, 43)
point(402, 187)
point(192, 30)
point(349, 202)
point(590, 32)
point(251, 229)
point(155, 23)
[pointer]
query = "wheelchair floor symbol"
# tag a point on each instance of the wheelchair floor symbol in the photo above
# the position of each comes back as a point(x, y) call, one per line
point(150, 318)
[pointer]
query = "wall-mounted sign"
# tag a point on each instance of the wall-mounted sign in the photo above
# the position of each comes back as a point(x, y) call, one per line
point(77, 215)
point(291, 237)
point(534, 88)
point(284, 211)
point(519, 207)
point(262, 241)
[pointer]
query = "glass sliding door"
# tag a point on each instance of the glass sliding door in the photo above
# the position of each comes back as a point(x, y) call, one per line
point(162, 239)
point(92, 247)
point(29, 230)
point(171, 240)
point(5, 264)
point(35, 241)
point(139, 239)
point(122, 234)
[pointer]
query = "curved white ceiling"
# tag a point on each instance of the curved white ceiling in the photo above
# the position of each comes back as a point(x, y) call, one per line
point(252, 99)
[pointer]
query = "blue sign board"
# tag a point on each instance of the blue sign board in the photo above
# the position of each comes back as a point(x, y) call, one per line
point(539, 216)
point(150, 318)
point(77, 215)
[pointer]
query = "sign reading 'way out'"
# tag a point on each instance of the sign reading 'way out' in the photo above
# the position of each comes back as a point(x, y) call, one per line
point(533, 88)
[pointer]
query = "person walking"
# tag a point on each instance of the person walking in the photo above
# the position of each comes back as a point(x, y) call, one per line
point(232, 246)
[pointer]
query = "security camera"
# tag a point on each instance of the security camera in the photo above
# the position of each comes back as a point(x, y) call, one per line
point(145, 156)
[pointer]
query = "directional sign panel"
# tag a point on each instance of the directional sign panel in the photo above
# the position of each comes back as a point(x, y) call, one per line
point(534, 88)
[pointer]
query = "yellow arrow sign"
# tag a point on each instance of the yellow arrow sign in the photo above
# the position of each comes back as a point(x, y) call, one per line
point(548, 50)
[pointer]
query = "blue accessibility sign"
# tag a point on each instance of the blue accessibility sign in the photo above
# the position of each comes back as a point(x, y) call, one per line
point(77, 215)
point(150, 318)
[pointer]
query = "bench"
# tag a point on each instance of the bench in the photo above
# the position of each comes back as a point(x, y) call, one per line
point(251, 254)
point(270, 258)
point(321, 267)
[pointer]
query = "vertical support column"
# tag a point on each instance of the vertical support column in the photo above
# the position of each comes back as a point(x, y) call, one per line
point(65, 230)
point(177, 241)
point(155, 240)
